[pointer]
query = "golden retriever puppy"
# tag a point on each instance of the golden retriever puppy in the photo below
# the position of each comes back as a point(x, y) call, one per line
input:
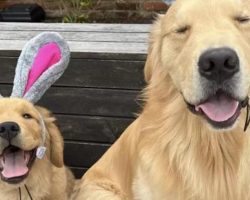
point(23, 175)
point(189, 141)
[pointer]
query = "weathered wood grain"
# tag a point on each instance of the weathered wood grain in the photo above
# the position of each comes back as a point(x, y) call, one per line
point(83, 154)
point(101, 38)
point(87, 101)
point(94, 102)
point(92, 129)
point(94, 73)
point(88, 55)
point(80, 36)
point(108, 28)
point(85, 47)
point(78, 171)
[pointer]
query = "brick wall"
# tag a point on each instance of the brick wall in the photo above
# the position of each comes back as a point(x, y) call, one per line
point(116, 11)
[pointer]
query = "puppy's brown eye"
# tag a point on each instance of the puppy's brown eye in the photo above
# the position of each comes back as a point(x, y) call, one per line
point(242, 20)
point(182, 30)
point(27, 116)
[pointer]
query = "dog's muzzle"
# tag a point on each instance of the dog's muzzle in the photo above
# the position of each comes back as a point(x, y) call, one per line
point(220, 104)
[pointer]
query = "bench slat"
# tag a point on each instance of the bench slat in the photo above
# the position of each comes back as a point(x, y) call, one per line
point(86, 47)
point(78, 171)
point(83, 101)
point(84, 38)
point(108, 28)
point(92, 129)
point(87, 101)
point(80, 36)
point(92, 73)
point(83, 154)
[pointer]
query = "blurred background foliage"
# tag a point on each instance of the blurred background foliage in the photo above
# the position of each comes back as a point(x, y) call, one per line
point(97, 11)
point(75, 14)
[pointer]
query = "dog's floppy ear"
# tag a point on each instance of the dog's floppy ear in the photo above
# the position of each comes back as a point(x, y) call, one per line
point(42, 61)
point(54, 138)
point(148, 69)
point(153, 58)
point(56, 146)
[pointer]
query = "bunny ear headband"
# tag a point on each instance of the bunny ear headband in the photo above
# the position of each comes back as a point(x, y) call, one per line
point(42, 61)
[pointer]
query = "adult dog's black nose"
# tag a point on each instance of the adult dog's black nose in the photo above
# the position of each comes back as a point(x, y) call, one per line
point(9, 130)
point(218, 64)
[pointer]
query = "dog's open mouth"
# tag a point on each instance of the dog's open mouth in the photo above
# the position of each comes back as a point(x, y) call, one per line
point(15, 164)
point(221, 110)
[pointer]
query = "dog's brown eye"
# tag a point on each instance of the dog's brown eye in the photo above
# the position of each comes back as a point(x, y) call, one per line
point(27, 116)
point(242, 19)
point(182, 30)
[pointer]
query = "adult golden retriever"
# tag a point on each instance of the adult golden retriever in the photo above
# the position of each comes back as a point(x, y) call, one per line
point(23, 176)
point(188, 143)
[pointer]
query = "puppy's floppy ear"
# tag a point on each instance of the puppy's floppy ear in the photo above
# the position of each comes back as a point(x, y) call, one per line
point(54, 139)
point(42, 61)
point(154, 50)
point(148, 69)
point(56, 146)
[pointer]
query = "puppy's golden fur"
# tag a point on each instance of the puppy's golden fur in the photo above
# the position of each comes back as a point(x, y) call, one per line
point(168, 153)
point(48, 178)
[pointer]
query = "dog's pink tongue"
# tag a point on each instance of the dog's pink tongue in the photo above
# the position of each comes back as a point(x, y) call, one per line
point(14, 164)
point(219, 108)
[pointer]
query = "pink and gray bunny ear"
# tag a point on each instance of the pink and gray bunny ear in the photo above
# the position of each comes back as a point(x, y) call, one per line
point(42, 61)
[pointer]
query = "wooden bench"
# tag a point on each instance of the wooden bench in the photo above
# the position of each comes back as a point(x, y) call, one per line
point(97, 98)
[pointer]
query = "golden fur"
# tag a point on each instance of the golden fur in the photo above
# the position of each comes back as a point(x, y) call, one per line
point(168, 153)
point(48, 179)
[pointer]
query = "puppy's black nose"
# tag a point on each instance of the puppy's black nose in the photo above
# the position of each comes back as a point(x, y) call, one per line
point(218, 64)
point(9, 130)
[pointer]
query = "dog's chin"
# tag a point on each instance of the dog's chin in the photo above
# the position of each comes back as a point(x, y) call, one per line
point(221, 110)
point(15, 164)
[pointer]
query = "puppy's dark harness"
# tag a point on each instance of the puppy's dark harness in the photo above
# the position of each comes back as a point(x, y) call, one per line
point(27, 189)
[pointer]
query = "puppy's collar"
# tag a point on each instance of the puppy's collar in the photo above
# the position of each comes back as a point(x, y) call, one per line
point(41, 150)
